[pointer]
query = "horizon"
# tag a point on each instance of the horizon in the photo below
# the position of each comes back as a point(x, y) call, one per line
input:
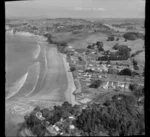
point(92, 9)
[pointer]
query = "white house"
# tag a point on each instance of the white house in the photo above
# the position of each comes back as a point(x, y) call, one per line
point(39, 116)
point(105, 86)
point(72, 127)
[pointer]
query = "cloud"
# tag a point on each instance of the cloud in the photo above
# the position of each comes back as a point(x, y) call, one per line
point(88, 9)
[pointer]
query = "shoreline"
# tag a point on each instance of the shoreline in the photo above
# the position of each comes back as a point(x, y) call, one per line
point(71, 86)
point(17, 86)
point(38, 38)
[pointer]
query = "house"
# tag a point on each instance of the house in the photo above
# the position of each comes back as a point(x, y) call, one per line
point(126, 85)
point(114, 84)
point(39, 116)
point(71, 117)
point(90, 65)
point(120, 84)
point(51, 130)
point(99, 76)
point(72, 127)
point(105, 86)
point(56, 128)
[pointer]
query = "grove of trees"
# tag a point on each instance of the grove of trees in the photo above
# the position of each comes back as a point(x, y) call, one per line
point(133, 36)
point(98, 45)
point(115, 117)
point(126, 72)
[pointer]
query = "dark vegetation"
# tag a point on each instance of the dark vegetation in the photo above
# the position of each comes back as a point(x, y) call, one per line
point(95, 84)
point(98, 45)
point(126, 72)
point(116, 117)
point(122, 53)
point(137, 90)
point(135, 64)
point(111, 38)
point(72, 68)
point(61, 46)
point(133, 36)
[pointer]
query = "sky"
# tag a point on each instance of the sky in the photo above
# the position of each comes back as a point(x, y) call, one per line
point(76, 8)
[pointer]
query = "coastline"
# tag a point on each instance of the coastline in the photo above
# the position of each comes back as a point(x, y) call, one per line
point(71, 86)
point(38, 38)
point(17, 86)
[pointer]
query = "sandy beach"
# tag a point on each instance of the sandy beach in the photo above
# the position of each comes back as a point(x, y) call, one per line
point(57, 86)
point(71, 86)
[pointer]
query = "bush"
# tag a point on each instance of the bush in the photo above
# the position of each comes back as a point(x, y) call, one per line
point(116, 46)
point(100, 46)
point(117, 39)
point(133, 36)
point(49, 37)
point(95, 84)
point(137, 90)
point(126, 72)
point(111, 38)
point(90, 46)
point(72, 68)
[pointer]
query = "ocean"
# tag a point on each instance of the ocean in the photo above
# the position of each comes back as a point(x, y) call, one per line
point(20, 54)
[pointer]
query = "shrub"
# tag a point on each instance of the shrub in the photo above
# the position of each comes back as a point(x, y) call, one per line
point(111, 38)
point(126, 72)
point(95, 84)
point(117, 39)
point(72, 68)
point(116, 46)
point(133, 36)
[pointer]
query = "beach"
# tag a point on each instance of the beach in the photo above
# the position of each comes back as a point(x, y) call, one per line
point(54, 86)
point(71, 86)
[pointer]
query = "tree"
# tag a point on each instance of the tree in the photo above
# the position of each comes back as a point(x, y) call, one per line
point(100, 46)
point(80, 58)
point(49, 37)
point(118, 117)
point(124, 51)
point(116, 46)
point(117, 39)
point(126, 72)
point(63, 44)
point(133, 87)
point(46, 113)
point(111, 38)
point(135, 64)
point(89, 47)
point(72, 68)
point(133, 36)
point(95, 84)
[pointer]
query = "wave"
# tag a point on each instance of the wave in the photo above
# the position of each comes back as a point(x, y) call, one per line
point(30, 83)
point(35, 77)
point(43, 71)
point(37, 52)
point(17, 86)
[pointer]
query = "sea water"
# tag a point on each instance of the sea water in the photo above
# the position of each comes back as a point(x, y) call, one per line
point(20, 54)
